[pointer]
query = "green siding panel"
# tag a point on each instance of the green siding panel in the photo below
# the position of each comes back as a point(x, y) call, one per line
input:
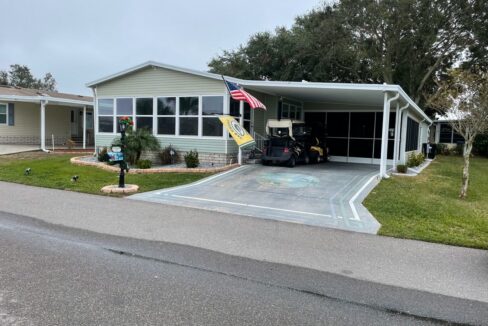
point(179, 143)
point(155, 81)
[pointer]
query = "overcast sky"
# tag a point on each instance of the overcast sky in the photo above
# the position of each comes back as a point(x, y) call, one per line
point(80, 41)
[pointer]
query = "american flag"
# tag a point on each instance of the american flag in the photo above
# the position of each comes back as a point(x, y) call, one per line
point(239, 94)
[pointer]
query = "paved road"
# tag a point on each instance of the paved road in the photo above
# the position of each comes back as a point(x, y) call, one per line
point(51, 275)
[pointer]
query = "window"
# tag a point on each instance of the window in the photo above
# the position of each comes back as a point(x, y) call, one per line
point(166, 115)
point(234, 108)
point(124, 107)
point(291, 111)
point(212, 107)
point(106, 115)
point(412, 142)
point(188, 116)
point(3, 114)
point(144, 113)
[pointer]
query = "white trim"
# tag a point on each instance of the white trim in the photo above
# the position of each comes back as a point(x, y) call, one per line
point(84, 127)
point(6, 114)
point(259, 84)
point(50, 99)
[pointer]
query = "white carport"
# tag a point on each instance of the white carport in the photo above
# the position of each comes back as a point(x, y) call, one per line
point(357, 98)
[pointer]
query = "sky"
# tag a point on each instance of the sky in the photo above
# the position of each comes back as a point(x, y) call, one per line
point(79, 41)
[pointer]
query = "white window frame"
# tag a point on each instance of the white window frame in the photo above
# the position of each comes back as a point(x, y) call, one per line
point(113, 115)
point(6, 114)
point(135, 115)
point(175, 116)
point(226, 99)
point(211, 116)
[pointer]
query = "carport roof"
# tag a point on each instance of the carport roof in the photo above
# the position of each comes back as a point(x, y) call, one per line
point(14, 93)
point(344, 93)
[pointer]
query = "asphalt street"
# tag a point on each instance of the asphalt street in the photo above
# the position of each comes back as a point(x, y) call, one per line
point(53, 275)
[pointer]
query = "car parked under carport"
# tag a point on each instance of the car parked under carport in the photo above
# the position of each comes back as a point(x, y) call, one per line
point(326, 195)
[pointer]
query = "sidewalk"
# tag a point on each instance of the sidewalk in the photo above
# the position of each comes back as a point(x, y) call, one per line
point(447, 270)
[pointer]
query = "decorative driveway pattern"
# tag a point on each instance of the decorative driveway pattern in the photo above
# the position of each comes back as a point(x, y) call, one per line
point(327, 195)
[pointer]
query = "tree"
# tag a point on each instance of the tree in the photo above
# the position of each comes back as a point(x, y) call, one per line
point(463, 98)
point(405, 42)
point(21, 76)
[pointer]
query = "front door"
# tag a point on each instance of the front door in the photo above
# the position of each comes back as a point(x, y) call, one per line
point(75, 123)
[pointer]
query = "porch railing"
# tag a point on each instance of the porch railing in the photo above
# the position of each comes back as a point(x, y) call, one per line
point(260, 141)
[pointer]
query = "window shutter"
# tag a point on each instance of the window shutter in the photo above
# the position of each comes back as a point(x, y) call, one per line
point(11, 114)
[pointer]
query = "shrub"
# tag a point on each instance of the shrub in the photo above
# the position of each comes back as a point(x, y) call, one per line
point(167, 158)
point(442, 149)
point(401, 168)
point(136, 142)
point(191, 159)
point(70, 143)
point(144, 164)
point(103, 155)
point(480, 145)
point(415, 159)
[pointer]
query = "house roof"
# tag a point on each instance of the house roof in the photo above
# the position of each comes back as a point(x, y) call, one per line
point(361, 94)
point(29, 94)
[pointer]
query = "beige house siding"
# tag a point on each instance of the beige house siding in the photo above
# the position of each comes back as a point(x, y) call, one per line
point(27, 127)
point(155, 81)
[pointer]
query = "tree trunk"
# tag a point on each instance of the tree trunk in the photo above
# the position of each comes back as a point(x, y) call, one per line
point(467, 153)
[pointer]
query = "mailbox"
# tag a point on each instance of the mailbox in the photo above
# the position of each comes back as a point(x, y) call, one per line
point(115, 156)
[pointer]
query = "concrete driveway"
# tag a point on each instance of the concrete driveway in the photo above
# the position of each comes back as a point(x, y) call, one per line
point(6, 149)
point(327, 195)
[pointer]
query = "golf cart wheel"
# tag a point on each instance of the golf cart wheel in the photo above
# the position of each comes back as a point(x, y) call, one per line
point(315, 158)
point(265, 162)
point(292, 162)
point(306, 159)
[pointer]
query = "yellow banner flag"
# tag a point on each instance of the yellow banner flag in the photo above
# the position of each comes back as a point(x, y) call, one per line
point(240, 135)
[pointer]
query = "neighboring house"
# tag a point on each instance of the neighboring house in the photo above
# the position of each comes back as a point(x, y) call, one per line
point(180, 106)
point(443, 133)
point(33, 117)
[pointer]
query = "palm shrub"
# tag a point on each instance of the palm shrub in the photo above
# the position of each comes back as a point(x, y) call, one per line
point(138, 141)
point(191, 159)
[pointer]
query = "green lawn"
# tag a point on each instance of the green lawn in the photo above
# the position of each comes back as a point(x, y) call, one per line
point(55, 171)
point(427, 207)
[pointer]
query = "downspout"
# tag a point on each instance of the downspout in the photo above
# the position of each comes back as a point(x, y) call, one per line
point(396, 149)
point(95, 119)
point(384, 138)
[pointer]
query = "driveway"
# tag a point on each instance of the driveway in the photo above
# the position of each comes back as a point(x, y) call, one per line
point(325, 195)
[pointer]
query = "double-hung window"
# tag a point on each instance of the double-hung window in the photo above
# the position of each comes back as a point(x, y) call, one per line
point(106, 115)
point(144, 113)
point(188, 116)
point(212, 107)
point(124, 108)
point(3, 114)
point(166, 115)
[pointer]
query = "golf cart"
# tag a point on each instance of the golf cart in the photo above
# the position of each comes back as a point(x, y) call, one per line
point(290, 142)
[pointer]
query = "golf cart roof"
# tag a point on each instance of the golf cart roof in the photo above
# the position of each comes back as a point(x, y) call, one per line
point(283, 123)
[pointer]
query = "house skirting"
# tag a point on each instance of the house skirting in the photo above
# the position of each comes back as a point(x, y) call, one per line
point(216, 158)
point(32, 140)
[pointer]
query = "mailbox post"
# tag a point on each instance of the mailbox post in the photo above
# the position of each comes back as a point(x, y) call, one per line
point(124, 122)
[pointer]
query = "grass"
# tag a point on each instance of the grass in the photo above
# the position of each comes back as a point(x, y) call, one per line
point(55, 171)
point(427, 207)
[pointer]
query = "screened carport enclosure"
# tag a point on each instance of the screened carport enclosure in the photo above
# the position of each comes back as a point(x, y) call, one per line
point(351, 116)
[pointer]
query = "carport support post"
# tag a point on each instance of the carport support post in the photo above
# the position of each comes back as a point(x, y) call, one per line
point(84, 127)
point(43, 125)
point(395, 141)
point(241, 122)
point(384, 135)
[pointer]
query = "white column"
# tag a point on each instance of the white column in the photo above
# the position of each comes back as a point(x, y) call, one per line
point(384, 135)
point(241, 122)
point(84, 127)
point(43, 125)
point(395, 141)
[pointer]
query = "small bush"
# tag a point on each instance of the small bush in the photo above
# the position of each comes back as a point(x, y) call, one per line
point(480, 145)
point(191, 159)
point(415, 159)
point(167, 158)
point(103, 155)
point(442, 149)
point(402, 168)
point(144, 164)
point(70, 143)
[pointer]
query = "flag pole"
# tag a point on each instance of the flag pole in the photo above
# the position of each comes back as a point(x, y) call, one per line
point(239, 153)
